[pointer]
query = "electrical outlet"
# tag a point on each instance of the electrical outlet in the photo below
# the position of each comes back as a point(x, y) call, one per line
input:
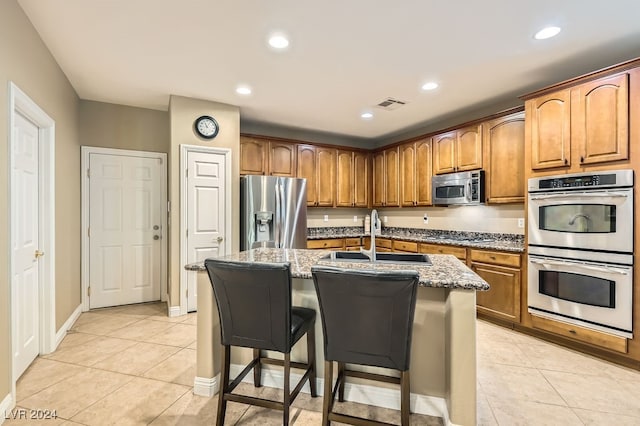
point(521, 222)
point(355, 218)
point(385, 219)
point(326, 218)
point(425, 219)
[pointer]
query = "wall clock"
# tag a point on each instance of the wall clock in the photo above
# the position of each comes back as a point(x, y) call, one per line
point(206, 127)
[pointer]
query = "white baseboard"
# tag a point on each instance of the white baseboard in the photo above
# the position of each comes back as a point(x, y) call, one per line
point(174, 311)
point(5, 407)
point(67, 326)
point(205, 386)
point(365, 394)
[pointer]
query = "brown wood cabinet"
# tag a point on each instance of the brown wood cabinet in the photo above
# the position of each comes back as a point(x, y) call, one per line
point(318, 165)
point(352, 179)
point(264, 157)
point(324, 244)
point(458, 150)
point(459, 252)
point(415, 173)
point(589, 123)
point(504, 159)
point(502, 272)
point(361, 178)
point(386, 178)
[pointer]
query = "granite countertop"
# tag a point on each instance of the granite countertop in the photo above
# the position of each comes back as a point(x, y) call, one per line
point(446, 271)
point(482, 240)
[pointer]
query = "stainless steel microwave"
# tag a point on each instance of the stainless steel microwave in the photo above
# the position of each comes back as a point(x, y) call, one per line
point(458, 188)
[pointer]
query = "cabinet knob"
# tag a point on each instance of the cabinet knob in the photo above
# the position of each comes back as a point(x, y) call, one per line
point(581, 159)
point(572, 331)
point(566, 161)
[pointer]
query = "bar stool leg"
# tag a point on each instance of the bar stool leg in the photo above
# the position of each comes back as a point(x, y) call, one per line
point(405, 394)
point(222, 403)
point(287, 393)
point(327, 402)
point(257, 370)
point(341, 368)
point(311, 359)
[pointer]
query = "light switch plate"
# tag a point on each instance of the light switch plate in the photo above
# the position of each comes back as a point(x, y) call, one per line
point(521, 222)
point(326, 218)
point(385, 219)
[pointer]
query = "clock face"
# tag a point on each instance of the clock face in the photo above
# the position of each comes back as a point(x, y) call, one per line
point(207, 127)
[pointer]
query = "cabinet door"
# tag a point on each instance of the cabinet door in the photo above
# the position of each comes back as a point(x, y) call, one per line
point(307, 170)
point(444, 155)
point(601, 119)
point(423, 173)
point(469, 148)
point(502, 300)
point(252, 156)
point(550, 130)
point(361, 179)
point(326, 176)
point(378, 179)
point(504, 159)
point(282, 159)
point(344, 181)
point(408, 174)
point(392, 175)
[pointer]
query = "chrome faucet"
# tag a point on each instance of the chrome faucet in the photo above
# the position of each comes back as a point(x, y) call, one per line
point(371, 253)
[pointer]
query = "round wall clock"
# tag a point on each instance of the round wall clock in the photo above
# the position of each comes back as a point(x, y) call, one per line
point(206, 127)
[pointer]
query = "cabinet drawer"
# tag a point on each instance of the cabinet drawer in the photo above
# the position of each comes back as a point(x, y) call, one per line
point(324, 244)
point(459, 252)
point(383, 242)
point(350, 242)
point(592, 337)
point(405, 246)
point(498, 258)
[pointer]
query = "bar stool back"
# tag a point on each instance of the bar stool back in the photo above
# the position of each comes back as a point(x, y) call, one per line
point(254, 305)
point(367, 319)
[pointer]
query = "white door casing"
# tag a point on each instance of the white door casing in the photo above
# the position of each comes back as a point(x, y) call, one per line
point(31, 271)
point(205, 211)
point(124, 205)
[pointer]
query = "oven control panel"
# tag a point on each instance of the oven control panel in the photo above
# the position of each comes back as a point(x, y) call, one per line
point(617, 178)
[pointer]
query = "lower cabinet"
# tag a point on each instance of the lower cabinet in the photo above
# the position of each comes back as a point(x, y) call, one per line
point(329, 243)
point(502, 272)
point(352, 244)
point(384, 244)
point(459, 252)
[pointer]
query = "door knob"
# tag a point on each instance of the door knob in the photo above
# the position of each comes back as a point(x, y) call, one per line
point(156, 237)
point(38, 254)
point(219, 239)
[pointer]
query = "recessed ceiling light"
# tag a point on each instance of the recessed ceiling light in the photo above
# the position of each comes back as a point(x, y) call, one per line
point(243, 90)
point(430, 85)
point(366, 115)
point(278, 41)
point(547, 32)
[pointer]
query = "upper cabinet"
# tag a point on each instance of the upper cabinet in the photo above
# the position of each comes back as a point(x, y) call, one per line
point(415, 171)
point(504, 159)
point(318, 166)
point(361, 179)
point(386, 178)
point(264, 157)
point(458, 150)
point(588, 122)
point(352, 179)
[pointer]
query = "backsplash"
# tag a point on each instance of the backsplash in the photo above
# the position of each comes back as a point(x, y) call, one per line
point(400, 232)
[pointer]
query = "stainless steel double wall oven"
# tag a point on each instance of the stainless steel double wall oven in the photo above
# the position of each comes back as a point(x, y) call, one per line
point(580, 264)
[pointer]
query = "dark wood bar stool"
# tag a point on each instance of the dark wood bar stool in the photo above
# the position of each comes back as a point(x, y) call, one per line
point(254, 304)
point(367, 319)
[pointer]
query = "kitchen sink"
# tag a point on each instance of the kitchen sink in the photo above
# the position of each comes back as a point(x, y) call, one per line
point(385, 257)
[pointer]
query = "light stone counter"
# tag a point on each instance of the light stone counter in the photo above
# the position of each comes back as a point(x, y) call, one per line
point(443, 355)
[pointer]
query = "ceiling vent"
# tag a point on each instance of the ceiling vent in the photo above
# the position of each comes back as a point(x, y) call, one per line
point(391, 104)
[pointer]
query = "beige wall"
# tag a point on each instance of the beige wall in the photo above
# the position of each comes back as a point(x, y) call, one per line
point(25, 60)
point(123, 127)
point(182, 112)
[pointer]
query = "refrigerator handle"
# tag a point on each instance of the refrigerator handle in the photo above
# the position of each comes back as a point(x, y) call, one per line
point(282, 218)
point(278, 225)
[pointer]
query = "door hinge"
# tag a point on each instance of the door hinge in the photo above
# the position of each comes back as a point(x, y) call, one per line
point(88, 231)
point(88, 173)
point(187, 293)
point(89, 291)
point(186, 173)
point(186, 233)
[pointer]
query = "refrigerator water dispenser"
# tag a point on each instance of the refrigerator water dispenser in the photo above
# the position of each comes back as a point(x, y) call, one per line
point(264, 220)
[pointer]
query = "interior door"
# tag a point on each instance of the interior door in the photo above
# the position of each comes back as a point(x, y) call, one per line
point(206, 208)
point(25, 280)
point(125, 229)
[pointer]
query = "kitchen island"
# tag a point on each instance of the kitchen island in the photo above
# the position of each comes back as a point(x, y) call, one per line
point(443, 356)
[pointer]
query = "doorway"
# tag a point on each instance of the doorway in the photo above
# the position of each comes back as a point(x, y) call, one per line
point(124, 213)
point(32, 230)
point(205, 206)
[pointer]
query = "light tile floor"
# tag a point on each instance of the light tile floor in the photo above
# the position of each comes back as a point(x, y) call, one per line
point(133, 365)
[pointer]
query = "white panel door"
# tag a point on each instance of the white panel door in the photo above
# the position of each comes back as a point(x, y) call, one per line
point(125, 229)
point(206, 208)
point(25, 223)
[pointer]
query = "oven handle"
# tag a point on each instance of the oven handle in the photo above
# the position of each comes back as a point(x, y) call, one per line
point(581, 265)
point(581, 194)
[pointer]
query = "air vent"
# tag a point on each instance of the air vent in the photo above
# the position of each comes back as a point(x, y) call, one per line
point(391, 104)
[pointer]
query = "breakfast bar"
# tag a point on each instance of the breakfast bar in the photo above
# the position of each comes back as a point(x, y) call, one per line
point(443, 356)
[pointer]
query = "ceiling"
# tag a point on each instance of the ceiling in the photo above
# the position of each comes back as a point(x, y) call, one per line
point(344, 56)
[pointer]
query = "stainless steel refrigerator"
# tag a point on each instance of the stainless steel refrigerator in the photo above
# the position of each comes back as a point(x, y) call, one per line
point(274, 212)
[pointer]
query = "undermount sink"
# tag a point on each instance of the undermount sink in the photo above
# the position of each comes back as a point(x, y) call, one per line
point(386, 257)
